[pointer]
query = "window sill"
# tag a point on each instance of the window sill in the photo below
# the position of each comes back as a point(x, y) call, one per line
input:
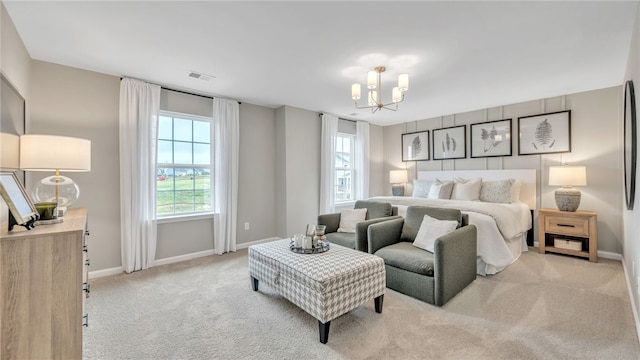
point(186, 217)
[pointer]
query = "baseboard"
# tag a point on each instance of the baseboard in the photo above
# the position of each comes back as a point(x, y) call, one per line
point(602, 254)
point(631, 299)
point(175, 259)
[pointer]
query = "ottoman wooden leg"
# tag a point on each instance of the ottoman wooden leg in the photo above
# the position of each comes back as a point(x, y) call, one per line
point(324, 331)
point(254, 283)
point(378, 302)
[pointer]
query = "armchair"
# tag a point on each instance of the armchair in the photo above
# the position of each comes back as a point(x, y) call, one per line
point(376, 212)
point(431, 277)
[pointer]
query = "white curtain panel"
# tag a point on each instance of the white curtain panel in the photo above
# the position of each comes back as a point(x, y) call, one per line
point(362, 160)
point(139, 108)
point(328, 163)
point(225, 154)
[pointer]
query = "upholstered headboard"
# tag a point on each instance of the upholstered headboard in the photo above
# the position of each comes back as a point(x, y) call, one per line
point(528, 191)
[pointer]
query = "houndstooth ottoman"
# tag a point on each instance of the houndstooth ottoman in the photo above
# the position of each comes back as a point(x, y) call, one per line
point(325, 285)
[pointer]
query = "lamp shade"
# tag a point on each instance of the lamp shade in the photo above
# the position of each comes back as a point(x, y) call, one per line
point(51, 152)
point(397, 176)
point(9, 152)
point(567, 175)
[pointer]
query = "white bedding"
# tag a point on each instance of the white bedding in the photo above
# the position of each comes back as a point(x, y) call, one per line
point(502, 228)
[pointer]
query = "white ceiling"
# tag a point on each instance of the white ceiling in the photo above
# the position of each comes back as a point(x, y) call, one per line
point(460, 56)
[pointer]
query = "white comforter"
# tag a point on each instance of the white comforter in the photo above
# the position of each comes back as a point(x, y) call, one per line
point(501, 227)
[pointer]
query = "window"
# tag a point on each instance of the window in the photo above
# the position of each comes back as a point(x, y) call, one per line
point(345, 146)
point(184, 164)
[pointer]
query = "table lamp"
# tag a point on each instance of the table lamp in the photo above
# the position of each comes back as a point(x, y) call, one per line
point(397, 178)
point(9, 152)
point(567, 198)
point(55, 153)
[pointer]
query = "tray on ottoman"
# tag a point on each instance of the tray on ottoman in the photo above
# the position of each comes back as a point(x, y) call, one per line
point(325, 285)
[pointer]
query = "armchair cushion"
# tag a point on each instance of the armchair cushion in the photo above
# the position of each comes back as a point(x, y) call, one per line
point(350, 218)
point(430, 230)
point(415, 215)
point(375, 209)
point(405, 256)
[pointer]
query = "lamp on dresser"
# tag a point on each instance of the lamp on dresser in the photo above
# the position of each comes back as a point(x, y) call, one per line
point(567, 198)
point(398, 178)
point(55, 153)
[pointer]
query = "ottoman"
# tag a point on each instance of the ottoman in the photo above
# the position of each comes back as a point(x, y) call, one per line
point(325, 285)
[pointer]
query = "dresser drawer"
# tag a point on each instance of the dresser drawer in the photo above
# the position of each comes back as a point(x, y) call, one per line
point(567, 226)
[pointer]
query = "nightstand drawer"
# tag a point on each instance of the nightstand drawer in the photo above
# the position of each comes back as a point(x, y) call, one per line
point(567, 226)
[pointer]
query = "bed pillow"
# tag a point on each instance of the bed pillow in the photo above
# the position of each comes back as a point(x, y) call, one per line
point(464, 189)
point(496, 191)
point(430, 230)
point(440, 190)
point(516, 185)
point(349, 219)
point(421, 188)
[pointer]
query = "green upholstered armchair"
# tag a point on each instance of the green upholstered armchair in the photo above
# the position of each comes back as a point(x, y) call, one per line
point(376, 212)
point(432, 277)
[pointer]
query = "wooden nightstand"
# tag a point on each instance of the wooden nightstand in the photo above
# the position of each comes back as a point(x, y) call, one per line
point(569, 229)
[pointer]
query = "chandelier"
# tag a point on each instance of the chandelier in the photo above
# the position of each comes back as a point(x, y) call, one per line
point(374, 99)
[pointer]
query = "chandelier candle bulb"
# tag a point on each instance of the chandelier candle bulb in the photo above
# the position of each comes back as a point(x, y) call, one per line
point(355, 91)
point(372, 79)
point(403, 82)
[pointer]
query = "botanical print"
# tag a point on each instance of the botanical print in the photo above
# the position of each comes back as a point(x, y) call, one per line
point(546, 133)
point(491, 139)
point(450, 143)
point(415, 146)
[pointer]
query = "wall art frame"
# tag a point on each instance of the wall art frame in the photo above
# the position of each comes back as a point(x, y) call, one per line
point(548, 133)
point(450, 143)
point(630, 144)
point(415, 146)
point(12, 113)
point(21, 210)
point(491, 139)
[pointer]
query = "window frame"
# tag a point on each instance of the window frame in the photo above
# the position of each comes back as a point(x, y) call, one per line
point(352, 186)
point(191, 215)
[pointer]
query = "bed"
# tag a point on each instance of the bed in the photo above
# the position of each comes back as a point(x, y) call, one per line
point(502, 226)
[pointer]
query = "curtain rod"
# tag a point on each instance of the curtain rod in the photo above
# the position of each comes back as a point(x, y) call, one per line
point(185, 92)
point(355, 121)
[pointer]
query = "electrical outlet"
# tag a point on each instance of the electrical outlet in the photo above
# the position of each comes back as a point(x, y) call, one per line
point(246, 226)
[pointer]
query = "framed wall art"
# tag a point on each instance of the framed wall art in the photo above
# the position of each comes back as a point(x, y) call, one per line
point(450, 143)
point(545, 134)
point(630, 144)
point(415, 146)
point(491, 138)
point(12, 113)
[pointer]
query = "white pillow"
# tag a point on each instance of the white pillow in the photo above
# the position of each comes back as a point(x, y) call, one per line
point(516, 185)
point(464, 189)
point(496, 191)
point(421, 188)
point(349, 219)
point(430, 230)
point(440, 190)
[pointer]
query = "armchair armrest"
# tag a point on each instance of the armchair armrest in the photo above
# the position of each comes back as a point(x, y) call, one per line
point(331, 221)
point(384, 234)
point(455, 262)
point(362, 228)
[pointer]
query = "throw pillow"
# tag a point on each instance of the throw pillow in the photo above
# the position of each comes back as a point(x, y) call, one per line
point(440, 190)
point(464, 189)
point(421, 188)
point(496, 191)
point(349, 219)
point(430, 230)
point(516, 184)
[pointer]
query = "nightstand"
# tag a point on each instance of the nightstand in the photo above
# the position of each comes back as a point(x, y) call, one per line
point(570, 233)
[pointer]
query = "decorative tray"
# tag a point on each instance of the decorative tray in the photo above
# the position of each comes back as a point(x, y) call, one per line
point(324, 246)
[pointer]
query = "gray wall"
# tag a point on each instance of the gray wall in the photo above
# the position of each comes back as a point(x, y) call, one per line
point(595, 143)
point(631, 218)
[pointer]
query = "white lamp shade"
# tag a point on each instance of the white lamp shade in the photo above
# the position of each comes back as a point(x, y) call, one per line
point(403, 82)
point(397, 176)
point(372, 79)
point(50, 152)
point(9, 151)
point(396, 95)
point(567, 176)
point(355, 92)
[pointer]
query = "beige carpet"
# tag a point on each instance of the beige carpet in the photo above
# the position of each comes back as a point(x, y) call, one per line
point(541, 307)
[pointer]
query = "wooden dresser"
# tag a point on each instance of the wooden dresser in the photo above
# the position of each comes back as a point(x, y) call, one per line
point(43, 274)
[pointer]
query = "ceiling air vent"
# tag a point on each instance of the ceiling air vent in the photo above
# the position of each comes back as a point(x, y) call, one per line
point(201, 76)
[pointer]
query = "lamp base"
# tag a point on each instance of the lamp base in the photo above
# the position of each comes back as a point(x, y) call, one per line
point(567, 199)
point(397, 190)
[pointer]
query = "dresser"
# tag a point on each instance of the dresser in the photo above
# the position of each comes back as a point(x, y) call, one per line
point(43, 274)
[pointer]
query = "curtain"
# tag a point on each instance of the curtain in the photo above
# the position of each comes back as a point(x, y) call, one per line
point(362, 160)
point(139, 108)
point(328, 163)
point(225, 153)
